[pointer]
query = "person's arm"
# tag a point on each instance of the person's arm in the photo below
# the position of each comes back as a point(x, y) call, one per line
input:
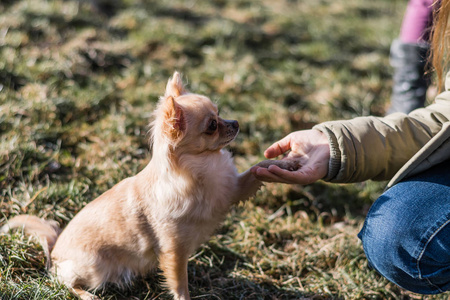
point(376, 148)
point(359, 149)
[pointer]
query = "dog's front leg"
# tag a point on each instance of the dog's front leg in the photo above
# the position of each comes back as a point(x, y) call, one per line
point(290, 164)
point(174, 267)
point(247, 186)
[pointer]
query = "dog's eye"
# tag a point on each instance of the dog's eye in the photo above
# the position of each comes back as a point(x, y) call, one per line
point(212, 126)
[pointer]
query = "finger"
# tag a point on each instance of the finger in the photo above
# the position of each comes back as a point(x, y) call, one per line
point(299, 176)
point(254, 169)
point(278, 148)
point(282, 176)
point(263, 174)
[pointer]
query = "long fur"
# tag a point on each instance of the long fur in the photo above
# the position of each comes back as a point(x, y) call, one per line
point(159, 216)
point(47, 231)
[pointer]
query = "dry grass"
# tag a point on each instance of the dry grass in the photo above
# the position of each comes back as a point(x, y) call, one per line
point(78, 83)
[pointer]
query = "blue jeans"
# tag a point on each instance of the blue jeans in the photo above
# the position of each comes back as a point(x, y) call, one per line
point(406, 235)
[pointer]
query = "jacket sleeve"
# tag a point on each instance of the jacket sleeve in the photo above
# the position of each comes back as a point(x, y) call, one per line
point(375, 147)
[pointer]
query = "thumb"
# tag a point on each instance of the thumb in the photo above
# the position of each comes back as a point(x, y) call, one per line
point(279, 147)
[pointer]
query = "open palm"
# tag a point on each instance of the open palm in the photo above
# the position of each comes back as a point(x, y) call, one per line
point(309, 147)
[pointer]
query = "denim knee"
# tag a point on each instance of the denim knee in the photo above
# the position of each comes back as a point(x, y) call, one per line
point(406, 236)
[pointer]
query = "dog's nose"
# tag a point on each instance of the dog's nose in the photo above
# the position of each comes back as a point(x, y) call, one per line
point(235, 124)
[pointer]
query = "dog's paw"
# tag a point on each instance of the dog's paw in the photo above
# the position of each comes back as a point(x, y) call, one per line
point(285, 164)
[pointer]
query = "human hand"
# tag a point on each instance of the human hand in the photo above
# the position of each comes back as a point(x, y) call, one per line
point(309, 148)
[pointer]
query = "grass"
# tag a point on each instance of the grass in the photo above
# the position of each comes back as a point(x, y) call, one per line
point(78, 83)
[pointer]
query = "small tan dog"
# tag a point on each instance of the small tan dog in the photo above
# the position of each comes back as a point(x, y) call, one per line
point(161, 215)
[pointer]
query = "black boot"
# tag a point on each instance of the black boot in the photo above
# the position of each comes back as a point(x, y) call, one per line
point(410, 82)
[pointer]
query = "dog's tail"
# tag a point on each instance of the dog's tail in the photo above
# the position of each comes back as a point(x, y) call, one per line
point(46, 231)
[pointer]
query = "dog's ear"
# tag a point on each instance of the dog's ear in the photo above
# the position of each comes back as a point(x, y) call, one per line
point(175, 86)
point(174, 119)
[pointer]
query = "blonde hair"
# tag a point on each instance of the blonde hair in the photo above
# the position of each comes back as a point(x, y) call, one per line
point(440, 41)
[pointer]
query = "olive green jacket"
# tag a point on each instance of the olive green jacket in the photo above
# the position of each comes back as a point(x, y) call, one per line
point(394, 147)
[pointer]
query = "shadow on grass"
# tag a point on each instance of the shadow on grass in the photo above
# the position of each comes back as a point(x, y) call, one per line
point(11, 80)
point(326, 202)
point(211, 276)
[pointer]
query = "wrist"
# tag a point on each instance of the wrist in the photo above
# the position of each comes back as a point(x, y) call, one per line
point(334, 162)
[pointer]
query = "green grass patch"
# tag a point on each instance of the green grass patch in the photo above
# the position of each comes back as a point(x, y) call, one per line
point(80, 79)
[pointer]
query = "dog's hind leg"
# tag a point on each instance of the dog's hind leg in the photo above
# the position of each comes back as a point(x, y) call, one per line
point(83, 294)
point(66, 273)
